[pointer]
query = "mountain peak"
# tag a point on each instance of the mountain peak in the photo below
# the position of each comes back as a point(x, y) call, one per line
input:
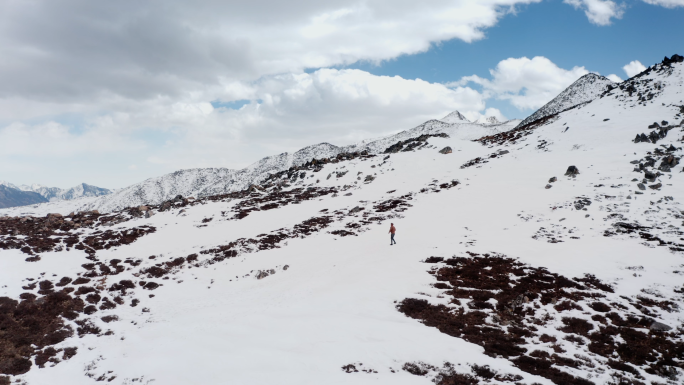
point(455, 117)
point(583, 90)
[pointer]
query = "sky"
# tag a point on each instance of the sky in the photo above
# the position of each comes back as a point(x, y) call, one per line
point(113, 93)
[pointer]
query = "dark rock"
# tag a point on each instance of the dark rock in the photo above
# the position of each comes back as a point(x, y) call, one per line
point(656, 186)
point(582, 203)
point(660, 327)
point(446, 150)
point(261, 274)
point(664, 123)
point(369, 178)
point(548, 186)
point(641, 186)
point(553, 179)
point(572, 171)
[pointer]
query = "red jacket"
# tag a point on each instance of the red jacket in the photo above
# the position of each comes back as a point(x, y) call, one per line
point(393, 229)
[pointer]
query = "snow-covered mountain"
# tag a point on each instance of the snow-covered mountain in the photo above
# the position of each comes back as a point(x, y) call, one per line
point(552, 253)
point(57, 194)
point(203, 182)
point(584, 89)
point(11, 197)
point(455, 117)
point(54, 194)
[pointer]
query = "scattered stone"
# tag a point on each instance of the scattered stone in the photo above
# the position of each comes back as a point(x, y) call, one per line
point(572, 171)
point(548, 186)
point(553, 179)
point(656, 186)
point(261, 274)
point(641, 186)
point(650, 176)
point(446, 150)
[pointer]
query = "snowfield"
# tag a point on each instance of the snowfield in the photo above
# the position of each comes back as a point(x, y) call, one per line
point(499, 276)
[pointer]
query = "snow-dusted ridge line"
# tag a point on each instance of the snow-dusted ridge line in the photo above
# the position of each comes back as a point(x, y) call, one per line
point(202, 182)
point(583, 90)
point(54, 194)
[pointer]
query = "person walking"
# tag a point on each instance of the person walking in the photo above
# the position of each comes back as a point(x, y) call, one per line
point(392, 231)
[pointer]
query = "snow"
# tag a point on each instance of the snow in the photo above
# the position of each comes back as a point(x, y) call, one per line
point(581, 91)
point(455, 117)
point(335, 304)
point(54, 194)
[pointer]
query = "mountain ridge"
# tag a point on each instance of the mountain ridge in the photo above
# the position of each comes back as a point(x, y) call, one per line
point(202, 182)
point(583, 90)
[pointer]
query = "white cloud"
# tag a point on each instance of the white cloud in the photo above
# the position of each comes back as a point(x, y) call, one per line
point(599, 12)
point(666, 3)
point(80, 51)
point(634, 67)
point(614, 78)
point(526, 83)
point(163, 135)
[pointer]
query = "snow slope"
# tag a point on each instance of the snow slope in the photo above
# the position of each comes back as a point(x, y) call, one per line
point(212, 181)
point(581, 91)
point(296, 283)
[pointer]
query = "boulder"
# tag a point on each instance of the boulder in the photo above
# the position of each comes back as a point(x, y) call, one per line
point(446, 150)
point(572, 171)
point(165, 206)
point(369, 178)
point(548, 186)
point(143, 208)
point(660, 327)
point(553, 179)
point(656, 186)
point(650, 175)
point(641, 186)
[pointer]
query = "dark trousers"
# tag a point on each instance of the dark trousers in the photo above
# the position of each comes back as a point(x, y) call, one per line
point(392, 241)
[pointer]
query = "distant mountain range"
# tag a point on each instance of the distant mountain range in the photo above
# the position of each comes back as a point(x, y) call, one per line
point(12, 195)
point(202, 182)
